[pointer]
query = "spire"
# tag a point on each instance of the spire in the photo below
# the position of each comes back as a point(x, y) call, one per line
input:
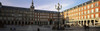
point(32, 2)
point(32, 6)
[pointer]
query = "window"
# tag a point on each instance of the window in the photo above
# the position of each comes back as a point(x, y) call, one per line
point(79, 9)
point(92, 16)
point(88, 16)
point(88, 11)
point(92, 11)
point(76, 9)
point(38, 16)
point(79, 13)
point(38, 19)
point(88, 6)
point(84, 12)
point(96, 10)
point(96, 15)
point(85, 7)
point(65, 16)
point(84, 17)
point(96, 4)
point(92, 6)
point(82, 8)
point(35, 19)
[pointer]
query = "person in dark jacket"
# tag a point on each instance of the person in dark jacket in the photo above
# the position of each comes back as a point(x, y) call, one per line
point(86, 28)
point(38, 29)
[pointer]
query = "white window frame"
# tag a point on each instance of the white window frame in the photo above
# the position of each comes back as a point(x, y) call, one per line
point(92, 16)
point(79, 9)
point(82, 8)
point(91, 5)
point(92, 10)
point(88, 6)
point(81, 12)
point(88, 11)
point(84, 17)
point(84, 12)
point(85, 7)
point(96, 9)
point(96, 15)
point(88, 16)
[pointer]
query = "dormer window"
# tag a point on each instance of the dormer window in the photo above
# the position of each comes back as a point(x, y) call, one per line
point(92, 0)
point(96, 4)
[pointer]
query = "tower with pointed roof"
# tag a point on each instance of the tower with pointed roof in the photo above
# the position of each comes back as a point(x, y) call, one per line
point(32, 6)
point(32, 11)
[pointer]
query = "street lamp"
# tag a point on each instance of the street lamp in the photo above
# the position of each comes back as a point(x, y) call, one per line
point(58, 7)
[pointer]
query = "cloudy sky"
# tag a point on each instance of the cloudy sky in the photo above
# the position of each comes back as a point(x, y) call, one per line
point(43, 4)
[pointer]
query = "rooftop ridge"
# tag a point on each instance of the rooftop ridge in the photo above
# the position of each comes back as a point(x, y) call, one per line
point(81, 4)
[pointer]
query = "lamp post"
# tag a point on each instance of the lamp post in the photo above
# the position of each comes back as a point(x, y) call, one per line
point(58, 7)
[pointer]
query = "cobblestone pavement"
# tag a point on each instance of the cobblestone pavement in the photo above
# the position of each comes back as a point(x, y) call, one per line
point(43, 28)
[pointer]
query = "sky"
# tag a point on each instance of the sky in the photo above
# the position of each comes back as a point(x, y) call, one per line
point(43, 4)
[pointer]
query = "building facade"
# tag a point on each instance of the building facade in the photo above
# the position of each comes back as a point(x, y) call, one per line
point(87, 13)
point(10, 15)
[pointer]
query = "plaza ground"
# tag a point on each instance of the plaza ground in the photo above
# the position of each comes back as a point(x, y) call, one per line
point(43, 28)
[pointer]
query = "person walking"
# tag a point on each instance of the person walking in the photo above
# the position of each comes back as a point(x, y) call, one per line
point(86, 28)
point(38, 29)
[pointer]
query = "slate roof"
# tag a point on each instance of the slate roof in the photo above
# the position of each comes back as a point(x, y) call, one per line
point(27, 9)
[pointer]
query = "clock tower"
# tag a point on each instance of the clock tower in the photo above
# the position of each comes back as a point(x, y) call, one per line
point(32, 6)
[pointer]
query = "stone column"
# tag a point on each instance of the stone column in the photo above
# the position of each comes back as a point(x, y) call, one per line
point(53, 22)
point(94, 22)
point(39, 22)
point(86, 23)
point(6, 22)
point(24, 22)
point(48, 22)
point(90, 24)
point(14, 22)
point(30, 23)
point(78, 23)
point(20, 22)
point(27, 22)
point(10, 22)
point(83, 22)
point(17, 22)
